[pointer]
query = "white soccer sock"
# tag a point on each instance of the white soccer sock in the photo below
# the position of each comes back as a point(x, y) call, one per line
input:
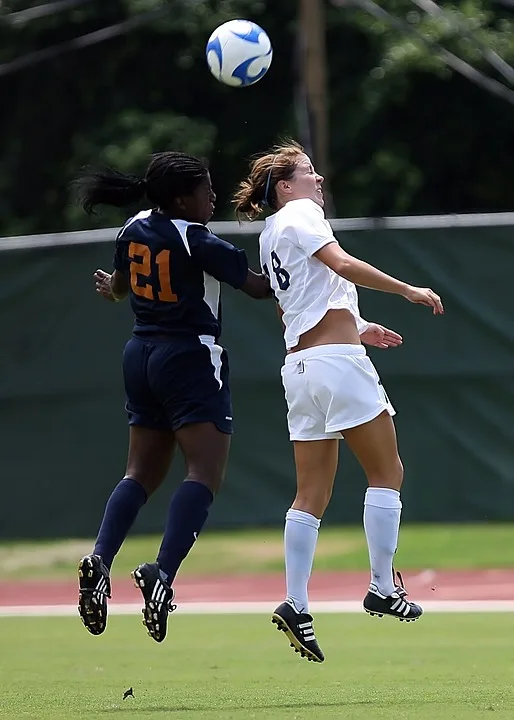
point(382, 510)
point(300, 538)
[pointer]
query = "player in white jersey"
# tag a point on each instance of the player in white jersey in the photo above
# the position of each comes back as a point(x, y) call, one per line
point(332, 389)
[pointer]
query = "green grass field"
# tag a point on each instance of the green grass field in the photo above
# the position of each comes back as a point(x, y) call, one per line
point(446, 667)
point(421, 546)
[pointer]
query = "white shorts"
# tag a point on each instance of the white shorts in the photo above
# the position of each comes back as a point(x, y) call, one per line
point(329, 389)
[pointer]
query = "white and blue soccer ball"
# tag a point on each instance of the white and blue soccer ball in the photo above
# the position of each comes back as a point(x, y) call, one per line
point(239, 53)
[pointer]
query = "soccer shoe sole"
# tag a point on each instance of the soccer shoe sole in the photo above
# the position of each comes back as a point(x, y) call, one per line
point(92, 609)
point(282, 625)
point(381, 614)
point(156, 627)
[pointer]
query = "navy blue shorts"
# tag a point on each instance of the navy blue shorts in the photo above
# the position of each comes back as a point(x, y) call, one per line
point(170, 382)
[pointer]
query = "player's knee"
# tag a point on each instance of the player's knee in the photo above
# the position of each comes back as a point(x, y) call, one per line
point(313, 500)
point(150, 483)
point(397, 475)
point(211, 477)
point(391, 477)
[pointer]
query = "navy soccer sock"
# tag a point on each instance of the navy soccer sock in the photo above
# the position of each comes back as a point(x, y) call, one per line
point(188, 511)
point(127, 499)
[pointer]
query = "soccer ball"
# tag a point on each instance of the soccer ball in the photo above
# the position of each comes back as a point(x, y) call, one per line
point(239, 53)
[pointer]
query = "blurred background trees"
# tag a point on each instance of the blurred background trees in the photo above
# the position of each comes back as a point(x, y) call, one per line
point(393, 128)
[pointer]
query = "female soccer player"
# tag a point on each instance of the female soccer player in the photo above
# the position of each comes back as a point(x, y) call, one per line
point(332, 389)
point(175, 372)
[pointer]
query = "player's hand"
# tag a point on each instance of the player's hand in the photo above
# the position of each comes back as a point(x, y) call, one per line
point(425, 296)
point(103, 285)
point(381, 337)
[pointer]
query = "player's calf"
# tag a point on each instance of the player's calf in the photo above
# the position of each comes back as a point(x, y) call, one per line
point(94, 590)
point(158, 597)
point(299, 630)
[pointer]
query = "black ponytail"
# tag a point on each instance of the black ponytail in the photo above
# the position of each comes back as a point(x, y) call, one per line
point(108, 187)
point(169, 175)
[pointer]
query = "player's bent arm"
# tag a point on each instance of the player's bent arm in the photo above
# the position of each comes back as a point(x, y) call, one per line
point(119, 285)
point(257, 286)
point(358, 271)
point(365, 275)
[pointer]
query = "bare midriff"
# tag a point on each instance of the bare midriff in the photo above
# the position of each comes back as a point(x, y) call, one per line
point(337, 327)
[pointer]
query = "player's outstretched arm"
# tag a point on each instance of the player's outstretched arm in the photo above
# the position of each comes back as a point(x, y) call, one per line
point(365, 275)
point(257, 286)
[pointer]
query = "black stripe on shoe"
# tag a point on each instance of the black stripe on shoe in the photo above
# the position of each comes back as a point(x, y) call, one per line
point(299, 629)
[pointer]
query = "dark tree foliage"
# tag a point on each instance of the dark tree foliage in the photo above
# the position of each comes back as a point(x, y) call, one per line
point(407, 135)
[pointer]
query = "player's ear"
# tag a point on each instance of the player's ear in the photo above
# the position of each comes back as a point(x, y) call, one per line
point(284, 186)
point(180, 204)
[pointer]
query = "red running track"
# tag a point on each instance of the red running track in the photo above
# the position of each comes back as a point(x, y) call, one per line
point(422, 585)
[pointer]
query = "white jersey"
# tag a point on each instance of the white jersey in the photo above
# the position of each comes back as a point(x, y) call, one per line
point(305, 287)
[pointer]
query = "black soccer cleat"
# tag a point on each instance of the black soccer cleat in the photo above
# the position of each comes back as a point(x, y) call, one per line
point(94, 589)
point(158, 597)
point(395, 605)
point(299, 630)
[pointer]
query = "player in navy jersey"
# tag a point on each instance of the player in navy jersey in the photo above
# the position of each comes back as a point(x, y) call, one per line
point(175, 372)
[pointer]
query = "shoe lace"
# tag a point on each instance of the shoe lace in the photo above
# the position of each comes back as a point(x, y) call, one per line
point(400, 585)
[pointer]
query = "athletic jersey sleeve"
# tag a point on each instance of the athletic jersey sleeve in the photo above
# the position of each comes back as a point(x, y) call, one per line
point(353, 302)
point(216, 257)
point(310, 227)
point(120, 261)
point(362, 325)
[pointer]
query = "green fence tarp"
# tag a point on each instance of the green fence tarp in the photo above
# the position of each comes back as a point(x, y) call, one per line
point(62, 420)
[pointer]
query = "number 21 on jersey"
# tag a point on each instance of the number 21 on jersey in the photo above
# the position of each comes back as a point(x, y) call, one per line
point(141, 261)
point(283, 277)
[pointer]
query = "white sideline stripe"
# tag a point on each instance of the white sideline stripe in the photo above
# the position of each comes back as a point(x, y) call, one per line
point(242, 608)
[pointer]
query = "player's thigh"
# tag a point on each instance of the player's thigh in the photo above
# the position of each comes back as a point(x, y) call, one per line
point(205, 449)
point(306, 416)
point(191, 383)
point(347, 387)
point(316, 466)
point(149, 456)
point(375, 446)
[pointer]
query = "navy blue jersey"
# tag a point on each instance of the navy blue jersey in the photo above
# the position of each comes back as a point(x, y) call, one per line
point(174, 270)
